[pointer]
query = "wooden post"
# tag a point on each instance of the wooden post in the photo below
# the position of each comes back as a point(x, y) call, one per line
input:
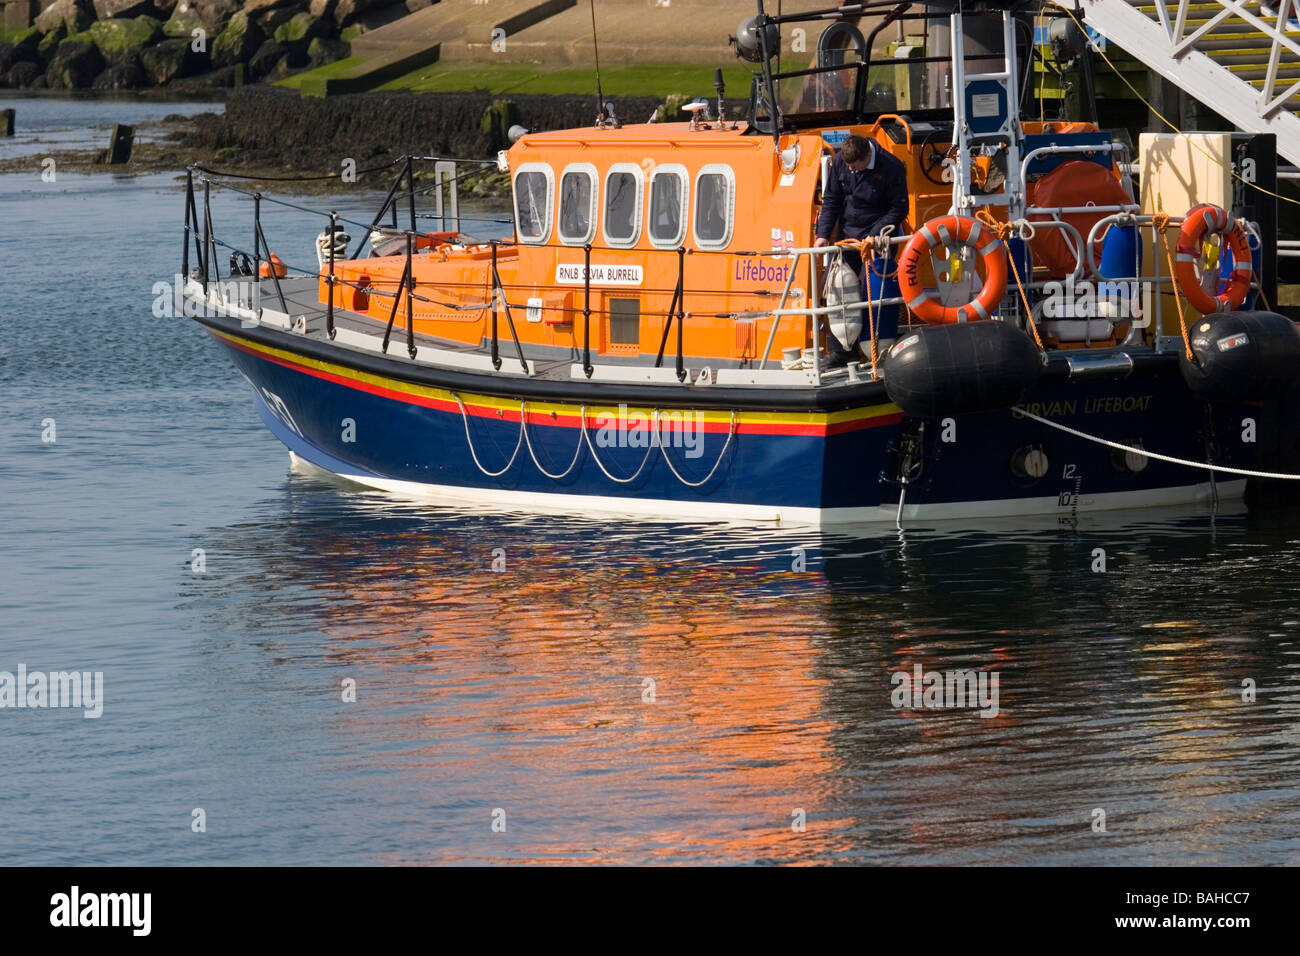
point(119, 145)
point(6, 122)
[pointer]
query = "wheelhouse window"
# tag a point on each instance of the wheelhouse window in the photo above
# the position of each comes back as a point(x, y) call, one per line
point(668, 206)
point(622, 222)
point(715, 202)
point(578, 204)
point(534, 184)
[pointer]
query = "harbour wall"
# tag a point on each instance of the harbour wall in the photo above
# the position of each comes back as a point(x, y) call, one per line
point(308, 133)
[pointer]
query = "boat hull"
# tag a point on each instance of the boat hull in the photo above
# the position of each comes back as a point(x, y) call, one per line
point(819, 467)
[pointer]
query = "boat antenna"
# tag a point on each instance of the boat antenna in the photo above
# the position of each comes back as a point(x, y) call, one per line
point(595, 46)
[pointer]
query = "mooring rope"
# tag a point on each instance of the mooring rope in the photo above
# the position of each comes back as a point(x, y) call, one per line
point(1151, 454)
point(1006, 231)
point(1160, 224)
point(523, 414)
point(601, 466)
point(722, 454)
point(464, 416)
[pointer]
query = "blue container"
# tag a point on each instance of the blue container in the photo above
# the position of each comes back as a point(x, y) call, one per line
point(1121, 258)
point(1256, 263)
point(882, 283)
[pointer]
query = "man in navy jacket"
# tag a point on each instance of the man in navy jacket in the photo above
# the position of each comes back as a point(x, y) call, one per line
point(865, 192)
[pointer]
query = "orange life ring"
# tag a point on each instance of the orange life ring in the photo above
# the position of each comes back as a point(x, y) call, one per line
point(950, 231)
point(1201, 221)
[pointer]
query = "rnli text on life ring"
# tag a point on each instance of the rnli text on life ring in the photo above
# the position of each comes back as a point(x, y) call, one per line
point(952, 231)
point(1203, 220)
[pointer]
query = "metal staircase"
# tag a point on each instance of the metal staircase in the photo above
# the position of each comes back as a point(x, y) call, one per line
point(1241, 58)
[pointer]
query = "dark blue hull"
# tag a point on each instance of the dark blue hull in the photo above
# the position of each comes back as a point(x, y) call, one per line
point(752, 463)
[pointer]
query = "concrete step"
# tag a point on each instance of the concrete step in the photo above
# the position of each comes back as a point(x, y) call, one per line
point(642, 31)
point(443, 31)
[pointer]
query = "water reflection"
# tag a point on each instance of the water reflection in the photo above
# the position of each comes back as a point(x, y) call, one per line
point(771, 654)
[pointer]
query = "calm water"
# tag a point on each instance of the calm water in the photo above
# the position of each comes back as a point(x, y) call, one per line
point(525, 690)
point(58, 122)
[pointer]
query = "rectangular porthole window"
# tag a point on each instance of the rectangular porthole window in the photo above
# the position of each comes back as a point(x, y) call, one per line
point(622, 205)
point(668, 206)
point(533, 187)
point(714, 206)
point(625, 322)
point(578, 204)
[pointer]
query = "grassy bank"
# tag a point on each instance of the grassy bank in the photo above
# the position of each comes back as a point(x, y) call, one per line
point(658, 80)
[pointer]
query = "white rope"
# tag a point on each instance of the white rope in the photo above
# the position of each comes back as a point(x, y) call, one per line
point(656, 438)
point(722, 454)
point(464, 416)
point(523, 413)
point(596, 458)
point(1158, 457)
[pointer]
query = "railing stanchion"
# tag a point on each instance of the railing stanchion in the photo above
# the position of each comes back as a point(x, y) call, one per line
point(275, 278)
point(785, 295)
point(329, 309)
point(194, 219)
point(496, 357)
point(185, 240)
point(586, 310)
point(389, 200)
point(410, 294)
point(207, 231)
point(815, 296)
point(681, 310)
point(410, 189)
point(257, 233)
point(668, 327)
point(499, 290)
point(392, 315)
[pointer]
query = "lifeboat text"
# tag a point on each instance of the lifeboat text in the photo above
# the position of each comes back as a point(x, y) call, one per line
point(759, 270)
point(1091, 406)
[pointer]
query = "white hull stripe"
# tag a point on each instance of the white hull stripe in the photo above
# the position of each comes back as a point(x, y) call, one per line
point(664, 509)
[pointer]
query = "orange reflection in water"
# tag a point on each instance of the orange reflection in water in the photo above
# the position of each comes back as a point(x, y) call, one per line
point(696, 684)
